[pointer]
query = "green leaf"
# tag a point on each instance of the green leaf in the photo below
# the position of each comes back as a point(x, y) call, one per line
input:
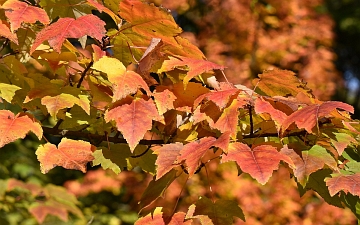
point(156, 188)
point(7, 91)
point(65, 8)
point(146, 161)
point(114, 159)
point(221, 212)
point(353, 203)
point(316, 182)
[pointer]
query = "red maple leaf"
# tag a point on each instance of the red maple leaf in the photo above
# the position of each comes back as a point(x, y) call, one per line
point(65, 28)
point(155, 219)
point(18, 12)
point(167, 156)
point(194, 66)
point(346, 183)
point(70, 154)
point(5, 32)
point(262, 106)
point(307, 117)
point(41, 210)
point(13, 127)
point(259, 162)
point(220, 98)
point(164, 100)
point(192, 153)
point(134, 120)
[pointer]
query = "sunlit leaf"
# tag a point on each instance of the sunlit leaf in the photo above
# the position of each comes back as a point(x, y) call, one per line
point(347, 183)
point(164, 101)
point(5, 32)
point(166, 159)
point(154, 219)
point(70, 154)
point(20, 12)
point(262, 106)
point(13, 127)
point(7, 91)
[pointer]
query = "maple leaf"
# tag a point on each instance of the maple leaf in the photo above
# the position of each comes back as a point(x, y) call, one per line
point(280, 83)
point(164, 101)
point(5, 32)
point(55, 103)
point(228, 120)
point(149, 20)
point(220, 98)
point(341, 140)
point(308, 116)
point(124, 82)
point(65, 28)
point(14, 127)
point(70, 154)
point(256, 161)
point(18, 12)
point(154, 219)
point(220, 212)
point(262, 106)
point(134, 120)
point(8, 91)
point(347, 183)
point(192, 152)
point(167, 156)
point(113, 158)
point(50, 207)
point(195, 67)
point(34, 188)
point(311, 161)
point(102, 8)
point(156, 189)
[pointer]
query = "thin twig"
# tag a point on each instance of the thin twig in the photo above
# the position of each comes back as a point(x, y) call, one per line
point(84, 74)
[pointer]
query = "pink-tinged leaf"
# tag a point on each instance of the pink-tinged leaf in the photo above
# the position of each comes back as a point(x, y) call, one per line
point(12, 184)
point(178, 219)
point(220, 98)
point(193, 151)
point(259, 162)
point(70, 154)
point(14, 127)
point(195, 67)
point(346, 183)
point(134, 120)
point(341, 140)
point(310, 161)
point(167, 156)
point(41, 210)
point(220, 212)
point(228, 120)
point(102, 8)
point(262, 106)
point(223, 141)
point(155, 219)
point(156, 189)
point(5, 32)
point(65, 28)
point(164, 101)
point(18, 12)
point(307, 117)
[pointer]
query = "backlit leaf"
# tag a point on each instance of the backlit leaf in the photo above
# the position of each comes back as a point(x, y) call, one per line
point(13, 127)
point(280, 83)
point(341, 141)
point(262, 106)
point(7, 91)
point(133, 120)
point(145, 161)
point(259, 162)
point(308, 116)
point(347, 183)
point(65, 28)
point(5, 32)
point(70, 154)
point(192, 153)
point(113, 158)
point(102, 8)
point(154, 219)
point(164, 101)
point(220, 212)
point(41, 210)
point(156, 189)
point(194, 67)
point(167, 156)
point(18, 12)
point(220, 98)
point(65, 8)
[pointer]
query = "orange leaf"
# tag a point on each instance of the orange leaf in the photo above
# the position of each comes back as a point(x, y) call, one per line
point(192, 152)
point(280, 83)
point(194, 66)
point(262, 106)
point(164, 101)
point(13, 127)
point(102, 8)
point(167, 156)
point(41, 210)
point(134, 120)
point(5, 32)
point(220, 98)
point(259, 162)
point(65, 28)
point(307, 117)
point(18, 12)
point(155, 219)
point(346, 183)
point(70, 154)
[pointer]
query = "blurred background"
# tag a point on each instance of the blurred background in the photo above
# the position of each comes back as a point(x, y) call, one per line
point(317, 39)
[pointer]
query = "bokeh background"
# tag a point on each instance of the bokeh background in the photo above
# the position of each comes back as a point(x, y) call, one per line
point(317, 39)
